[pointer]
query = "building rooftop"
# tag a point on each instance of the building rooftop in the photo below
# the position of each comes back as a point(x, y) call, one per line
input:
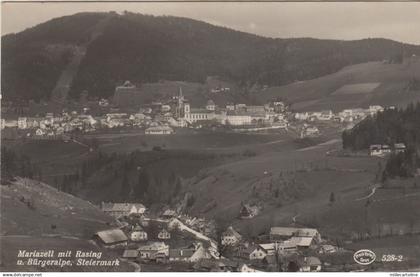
point(112, 236)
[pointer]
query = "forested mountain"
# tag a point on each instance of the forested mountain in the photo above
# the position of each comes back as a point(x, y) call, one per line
point(144, 48)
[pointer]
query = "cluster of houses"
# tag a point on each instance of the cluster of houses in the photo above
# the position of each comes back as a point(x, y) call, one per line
point(52, 125)
point(381, 150)
point(284, 246)
point(139, 242)
point(309, 131)
point(157, 118)
point(345, 116)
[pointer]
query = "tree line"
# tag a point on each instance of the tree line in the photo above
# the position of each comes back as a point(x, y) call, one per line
point(389, 127)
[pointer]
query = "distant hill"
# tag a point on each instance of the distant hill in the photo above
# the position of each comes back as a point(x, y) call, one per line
point(144, 48)
point(361, 85)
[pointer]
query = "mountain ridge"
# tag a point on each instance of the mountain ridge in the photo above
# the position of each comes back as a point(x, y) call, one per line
point(145, 48)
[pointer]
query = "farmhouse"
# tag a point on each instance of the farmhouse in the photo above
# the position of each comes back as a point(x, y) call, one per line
point(152, 250)
point(183, 255)
point(310, 264)
point(138, 234)
point(248, 211)
point(164, 234)
point(122, 209)
point(302, 242)
point(399, 148)
point(287, 246)
point(231, 236)
point(210, 106)
point(309, 131)
point(130, 254)
point(379, 150)
point(200, 254)
point(159, 130)
point(327, 248)
point(40, 132)
point(169, 214)
point(269, 248)
point(283, 233)
point(112, 238)
point(248, 268)
point(251, 252)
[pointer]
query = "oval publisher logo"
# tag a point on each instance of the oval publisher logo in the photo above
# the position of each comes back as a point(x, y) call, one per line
point(364, 257)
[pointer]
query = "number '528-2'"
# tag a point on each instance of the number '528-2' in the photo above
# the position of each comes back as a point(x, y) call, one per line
point(392, 258)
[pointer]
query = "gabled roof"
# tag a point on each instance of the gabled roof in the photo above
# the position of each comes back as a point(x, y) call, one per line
point(201, 253)
point(153, 246)
point(399, 146)
point(163, 231)
point(130, 253)
point(270, 259)
point(169, 212)
point(181, 253)
point(301, 241)
point(268, 246)
point(232, 232)
point(137, 228)
point(160, 128)
point(251, 248)
point(112, 236)
point(120, 207)
point(311, 261)
point(210, 103)
point(292, 231)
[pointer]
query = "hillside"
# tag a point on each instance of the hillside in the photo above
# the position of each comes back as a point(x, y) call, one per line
point(37, 217)
point(144, 48)
point(33, 208)
point(296, 186)
point(361, 85)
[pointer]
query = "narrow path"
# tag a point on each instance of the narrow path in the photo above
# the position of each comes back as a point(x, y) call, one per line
point(369, 195)
point(329, 142)
point(294, 218)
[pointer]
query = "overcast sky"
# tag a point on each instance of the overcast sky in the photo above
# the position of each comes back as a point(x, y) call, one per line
point(398, 21)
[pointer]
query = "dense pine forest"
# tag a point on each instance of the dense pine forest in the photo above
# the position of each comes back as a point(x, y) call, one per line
point(389, 127)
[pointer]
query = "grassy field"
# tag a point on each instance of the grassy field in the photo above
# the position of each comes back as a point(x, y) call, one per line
point(33, 208)
point(318, 94)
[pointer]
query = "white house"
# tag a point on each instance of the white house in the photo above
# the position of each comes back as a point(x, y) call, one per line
point(22, 123)
point(310, 264)
point(231, 237)
point(138, 234)
point(379, 150)
point(150, 250)
point(210, 105)
point(164, 234)
point(248, 268)
point(122, 209)
point(258, 253)
point(399, 148)
point(159, 130)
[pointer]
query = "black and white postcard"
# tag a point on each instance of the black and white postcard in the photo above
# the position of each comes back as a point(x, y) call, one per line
point(210, 137)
